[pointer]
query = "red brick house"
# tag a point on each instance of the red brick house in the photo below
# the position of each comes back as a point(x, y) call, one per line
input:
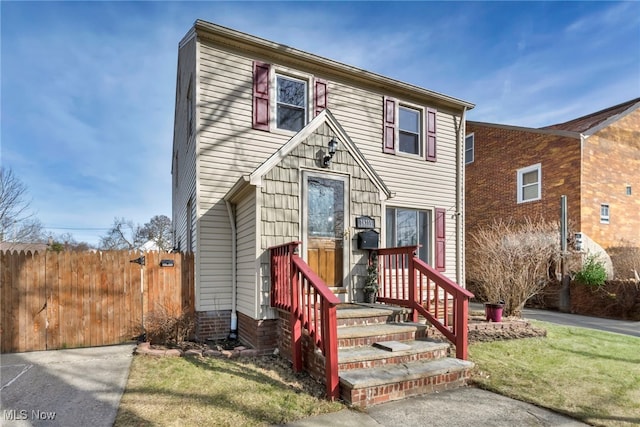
point(517, 172)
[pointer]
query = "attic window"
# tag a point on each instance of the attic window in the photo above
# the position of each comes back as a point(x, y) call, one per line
point(628, 190)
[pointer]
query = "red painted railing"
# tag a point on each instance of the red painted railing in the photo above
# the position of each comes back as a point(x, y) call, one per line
point(297, 289)
point(407, 281)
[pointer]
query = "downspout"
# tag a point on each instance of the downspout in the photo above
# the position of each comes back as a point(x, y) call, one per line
point(460, 201)
point(233, 334)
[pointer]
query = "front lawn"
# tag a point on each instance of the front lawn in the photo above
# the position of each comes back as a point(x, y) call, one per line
point(589, 375)
point(185, 391)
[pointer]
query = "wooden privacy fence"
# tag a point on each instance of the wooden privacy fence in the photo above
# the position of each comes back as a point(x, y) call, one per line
point(52, 300)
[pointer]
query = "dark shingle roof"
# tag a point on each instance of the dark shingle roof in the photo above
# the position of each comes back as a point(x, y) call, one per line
point(584, 123)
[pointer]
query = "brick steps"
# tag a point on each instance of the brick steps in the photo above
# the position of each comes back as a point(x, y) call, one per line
point(382, 357)
point(366, 387)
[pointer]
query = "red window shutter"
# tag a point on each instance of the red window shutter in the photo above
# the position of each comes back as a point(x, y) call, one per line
point(389, 126)
point(440, 239)
point(261, 95)
point(321, 95)
point(431, 134)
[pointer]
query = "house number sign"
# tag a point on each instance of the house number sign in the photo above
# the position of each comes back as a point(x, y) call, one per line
point(365, 222)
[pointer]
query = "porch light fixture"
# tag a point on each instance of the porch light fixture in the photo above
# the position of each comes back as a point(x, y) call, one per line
point(333, 146)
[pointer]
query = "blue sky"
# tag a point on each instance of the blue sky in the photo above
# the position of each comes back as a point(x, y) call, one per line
point(88, 88)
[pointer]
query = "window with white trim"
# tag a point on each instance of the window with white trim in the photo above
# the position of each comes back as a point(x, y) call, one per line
point(406, 227)
point(410, 130)
point(291, 103)
point(604, 213)
point(469, 148)
point(530, 183)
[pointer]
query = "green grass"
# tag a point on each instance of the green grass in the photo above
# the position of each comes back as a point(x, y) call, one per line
point(589, 375)
point(220, 392)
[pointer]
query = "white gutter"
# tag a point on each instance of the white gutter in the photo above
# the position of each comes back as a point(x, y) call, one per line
point(234, 280)
point(460, 202)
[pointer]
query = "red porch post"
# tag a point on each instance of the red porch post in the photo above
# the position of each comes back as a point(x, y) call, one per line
point(296, 327)
point(331, 350)
point(461, 327)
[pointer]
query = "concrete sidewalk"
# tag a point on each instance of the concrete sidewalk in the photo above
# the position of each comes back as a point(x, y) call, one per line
point(454, 408)
point(77, 387)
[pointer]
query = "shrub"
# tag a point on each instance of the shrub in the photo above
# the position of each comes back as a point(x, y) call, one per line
point(169, 325)
point(511, 262)
point(626, 260)
point(593, 273)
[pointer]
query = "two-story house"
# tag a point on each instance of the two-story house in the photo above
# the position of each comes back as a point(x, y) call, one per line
point(515, 172)
point(273, 144)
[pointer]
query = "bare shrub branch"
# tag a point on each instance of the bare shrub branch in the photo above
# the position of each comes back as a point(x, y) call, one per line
point(512, 262)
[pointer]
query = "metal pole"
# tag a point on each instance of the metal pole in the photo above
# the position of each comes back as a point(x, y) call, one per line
point(565, 296)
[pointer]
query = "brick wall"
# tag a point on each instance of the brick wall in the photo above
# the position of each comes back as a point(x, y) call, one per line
point(611, 163)
point(213, 325)
point(261, 335)
point(491, 180)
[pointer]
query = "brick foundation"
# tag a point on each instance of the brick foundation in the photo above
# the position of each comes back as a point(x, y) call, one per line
point(213, 325)
point(262, 335)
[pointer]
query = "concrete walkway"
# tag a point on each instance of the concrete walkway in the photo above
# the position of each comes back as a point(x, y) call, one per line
point(462, 407)
point(77, 387)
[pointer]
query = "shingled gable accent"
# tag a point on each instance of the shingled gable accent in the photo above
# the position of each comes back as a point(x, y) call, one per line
point(324, 116)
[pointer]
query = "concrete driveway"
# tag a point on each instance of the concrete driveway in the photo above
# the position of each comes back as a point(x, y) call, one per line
point(77, 387)
point(626, 327)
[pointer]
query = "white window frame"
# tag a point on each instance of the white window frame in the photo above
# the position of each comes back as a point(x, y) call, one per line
point(605, 213)
point(275, 73)
point(421, 130)
point(520, 173)
point(472, 150)
point(430, 227)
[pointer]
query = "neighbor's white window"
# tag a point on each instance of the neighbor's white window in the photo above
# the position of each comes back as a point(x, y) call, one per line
point(529, 183)
point(291, 103)
point(604, 214)
point(469, 146)
point(410, 130)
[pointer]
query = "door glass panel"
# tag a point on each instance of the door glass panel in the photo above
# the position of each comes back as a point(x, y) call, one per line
point(326, 208)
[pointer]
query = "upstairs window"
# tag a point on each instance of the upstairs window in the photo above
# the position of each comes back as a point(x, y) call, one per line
point(410, 131)
point(604, 214)
point(284, 102)
point(291, 109)
point(529, 183)
point(469, 147)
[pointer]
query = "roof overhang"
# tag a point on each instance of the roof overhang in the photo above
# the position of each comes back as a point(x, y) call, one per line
point(268, 50)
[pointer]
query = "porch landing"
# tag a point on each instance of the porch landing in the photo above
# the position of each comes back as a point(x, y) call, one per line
point(383, 357)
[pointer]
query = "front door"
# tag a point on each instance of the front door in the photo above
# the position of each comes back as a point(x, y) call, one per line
point(325, 221)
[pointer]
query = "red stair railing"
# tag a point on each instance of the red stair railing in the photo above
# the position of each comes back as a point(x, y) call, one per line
point(407, 281)
point(312, 306)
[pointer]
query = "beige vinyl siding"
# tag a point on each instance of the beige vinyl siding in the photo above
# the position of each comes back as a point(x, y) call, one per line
point(247, 265)
point(184, 147)
point(281, 202)
point(415, 182)
point(229, 147)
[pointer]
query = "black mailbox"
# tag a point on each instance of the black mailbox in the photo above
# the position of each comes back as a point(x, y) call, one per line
point(369, 239)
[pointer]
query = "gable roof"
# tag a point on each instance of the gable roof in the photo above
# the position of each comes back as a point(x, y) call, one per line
point(325, 117)
point(595, 121)
point(284, 54)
